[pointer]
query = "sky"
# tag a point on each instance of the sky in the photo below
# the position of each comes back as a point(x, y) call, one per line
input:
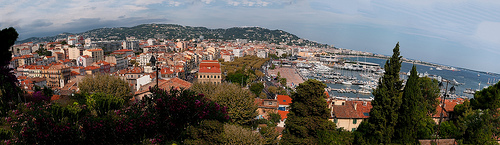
point(459, 33)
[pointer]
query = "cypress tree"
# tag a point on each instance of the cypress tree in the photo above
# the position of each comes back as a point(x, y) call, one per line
point(386, 103)
point(412, 110)
point(308, 115)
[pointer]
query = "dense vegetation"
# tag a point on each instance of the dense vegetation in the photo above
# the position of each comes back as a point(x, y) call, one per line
point(173, 31)
point(244, 69)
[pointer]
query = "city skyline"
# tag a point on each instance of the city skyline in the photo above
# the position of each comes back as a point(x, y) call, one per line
point(457, 33)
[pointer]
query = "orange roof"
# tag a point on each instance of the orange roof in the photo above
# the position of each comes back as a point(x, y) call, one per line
point(348, 110)
point(123, 50)
point(91, 68)
point(209, 70)
point(166, 70)
point(97, 49)
point(284, 99)
point(283, 114)
point(55, 97)
point(74, 73)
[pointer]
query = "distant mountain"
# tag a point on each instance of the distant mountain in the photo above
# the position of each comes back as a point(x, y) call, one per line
point(172, 31)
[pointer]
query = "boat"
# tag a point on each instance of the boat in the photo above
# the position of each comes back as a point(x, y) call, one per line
point(438, 68)
point(346, 83)
point(363, 91)
point(469, 91)
point(431, 68)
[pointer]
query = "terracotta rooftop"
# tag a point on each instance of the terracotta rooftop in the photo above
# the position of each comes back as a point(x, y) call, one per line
point(97, 49)
point(284, 99)
point(283, 114)
point(348, 110)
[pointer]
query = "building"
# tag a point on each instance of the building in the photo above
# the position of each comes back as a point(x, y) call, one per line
point(120, 61)
point(96, 54)
point(349, 114)
point(57, 75)
point(74, 52)
point(84, 61)
point(262, 54)
point(448, 110)
point(209, 72)
point(284, 102)
point(238, 52)
point(266, 106)
point(174, 83)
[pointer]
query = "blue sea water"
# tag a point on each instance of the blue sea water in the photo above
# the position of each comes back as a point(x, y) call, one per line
point(470, 79)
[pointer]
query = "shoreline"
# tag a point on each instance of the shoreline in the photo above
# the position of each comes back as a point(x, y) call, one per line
point(406, 61)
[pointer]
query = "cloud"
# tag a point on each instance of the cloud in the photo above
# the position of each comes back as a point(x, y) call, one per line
point(40, 23)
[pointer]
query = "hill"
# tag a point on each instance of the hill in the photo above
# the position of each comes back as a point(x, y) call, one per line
point(173, 31)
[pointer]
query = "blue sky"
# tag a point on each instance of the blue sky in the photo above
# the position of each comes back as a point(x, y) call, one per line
point(459, 33)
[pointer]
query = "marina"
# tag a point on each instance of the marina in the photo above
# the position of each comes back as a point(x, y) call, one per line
point(352, 78)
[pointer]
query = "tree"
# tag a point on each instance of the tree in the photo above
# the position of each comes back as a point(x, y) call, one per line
point(256, 88)
point(106, 84)
point(412, 111)
point(234, 134)
point(488, 98)
point(481, 127)
point(308, 114)
point(430, 91)
point(386, 103)
point(274, 117)
point(240, 103)
point(283, 81)
point(8, 87)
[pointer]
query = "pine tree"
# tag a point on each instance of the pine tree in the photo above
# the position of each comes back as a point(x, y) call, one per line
point(9, 91)
point(411, 112)
point(384, 114)
point(308, 114)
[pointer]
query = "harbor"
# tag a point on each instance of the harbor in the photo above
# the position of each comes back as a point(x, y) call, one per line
point(352, 78)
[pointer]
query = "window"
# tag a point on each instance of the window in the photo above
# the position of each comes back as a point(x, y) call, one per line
point(335, 120)
point(353, 129)
point(354, 121)
point(270, 103)
point(284, 100)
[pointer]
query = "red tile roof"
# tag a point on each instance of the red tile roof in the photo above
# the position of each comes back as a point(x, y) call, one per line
point(97, 49)
point(209, 70)
point(348, 110)
point(283, 114)
point(284, 99)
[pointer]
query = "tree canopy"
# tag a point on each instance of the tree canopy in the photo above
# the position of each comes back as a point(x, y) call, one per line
point(111, 85)
point(386, 103)
point(411, 111)
point(241, 104)
point(8, 88)
point(308, 114)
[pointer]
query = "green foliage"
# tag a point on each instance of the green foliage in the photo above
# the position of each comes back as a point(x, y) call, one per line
point(430, 92)
point(234, 134)
point(5, 134)
point(207, 132)
point(8, 87)
point(269, 134)
point(482, 126)
point(274, 117)
point(335, 137)
point(240, 103)
point(448, 130)
point(426, 128)
point(488, 98)
point(103, 103)
point(43, 52)
point(411, 111)
point(106, 84)
point(256, 88)
point(308, 114)
point(283, 81)
point(272, 89)
point(239, 78)
point(386, 103)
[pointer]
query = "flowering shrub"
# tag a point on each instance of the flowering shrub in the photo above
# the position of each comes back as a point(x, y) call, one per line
point(162, 117)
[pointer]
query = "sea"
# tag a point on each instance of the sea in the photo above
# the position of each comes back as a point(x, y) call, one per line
point(472, 79)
